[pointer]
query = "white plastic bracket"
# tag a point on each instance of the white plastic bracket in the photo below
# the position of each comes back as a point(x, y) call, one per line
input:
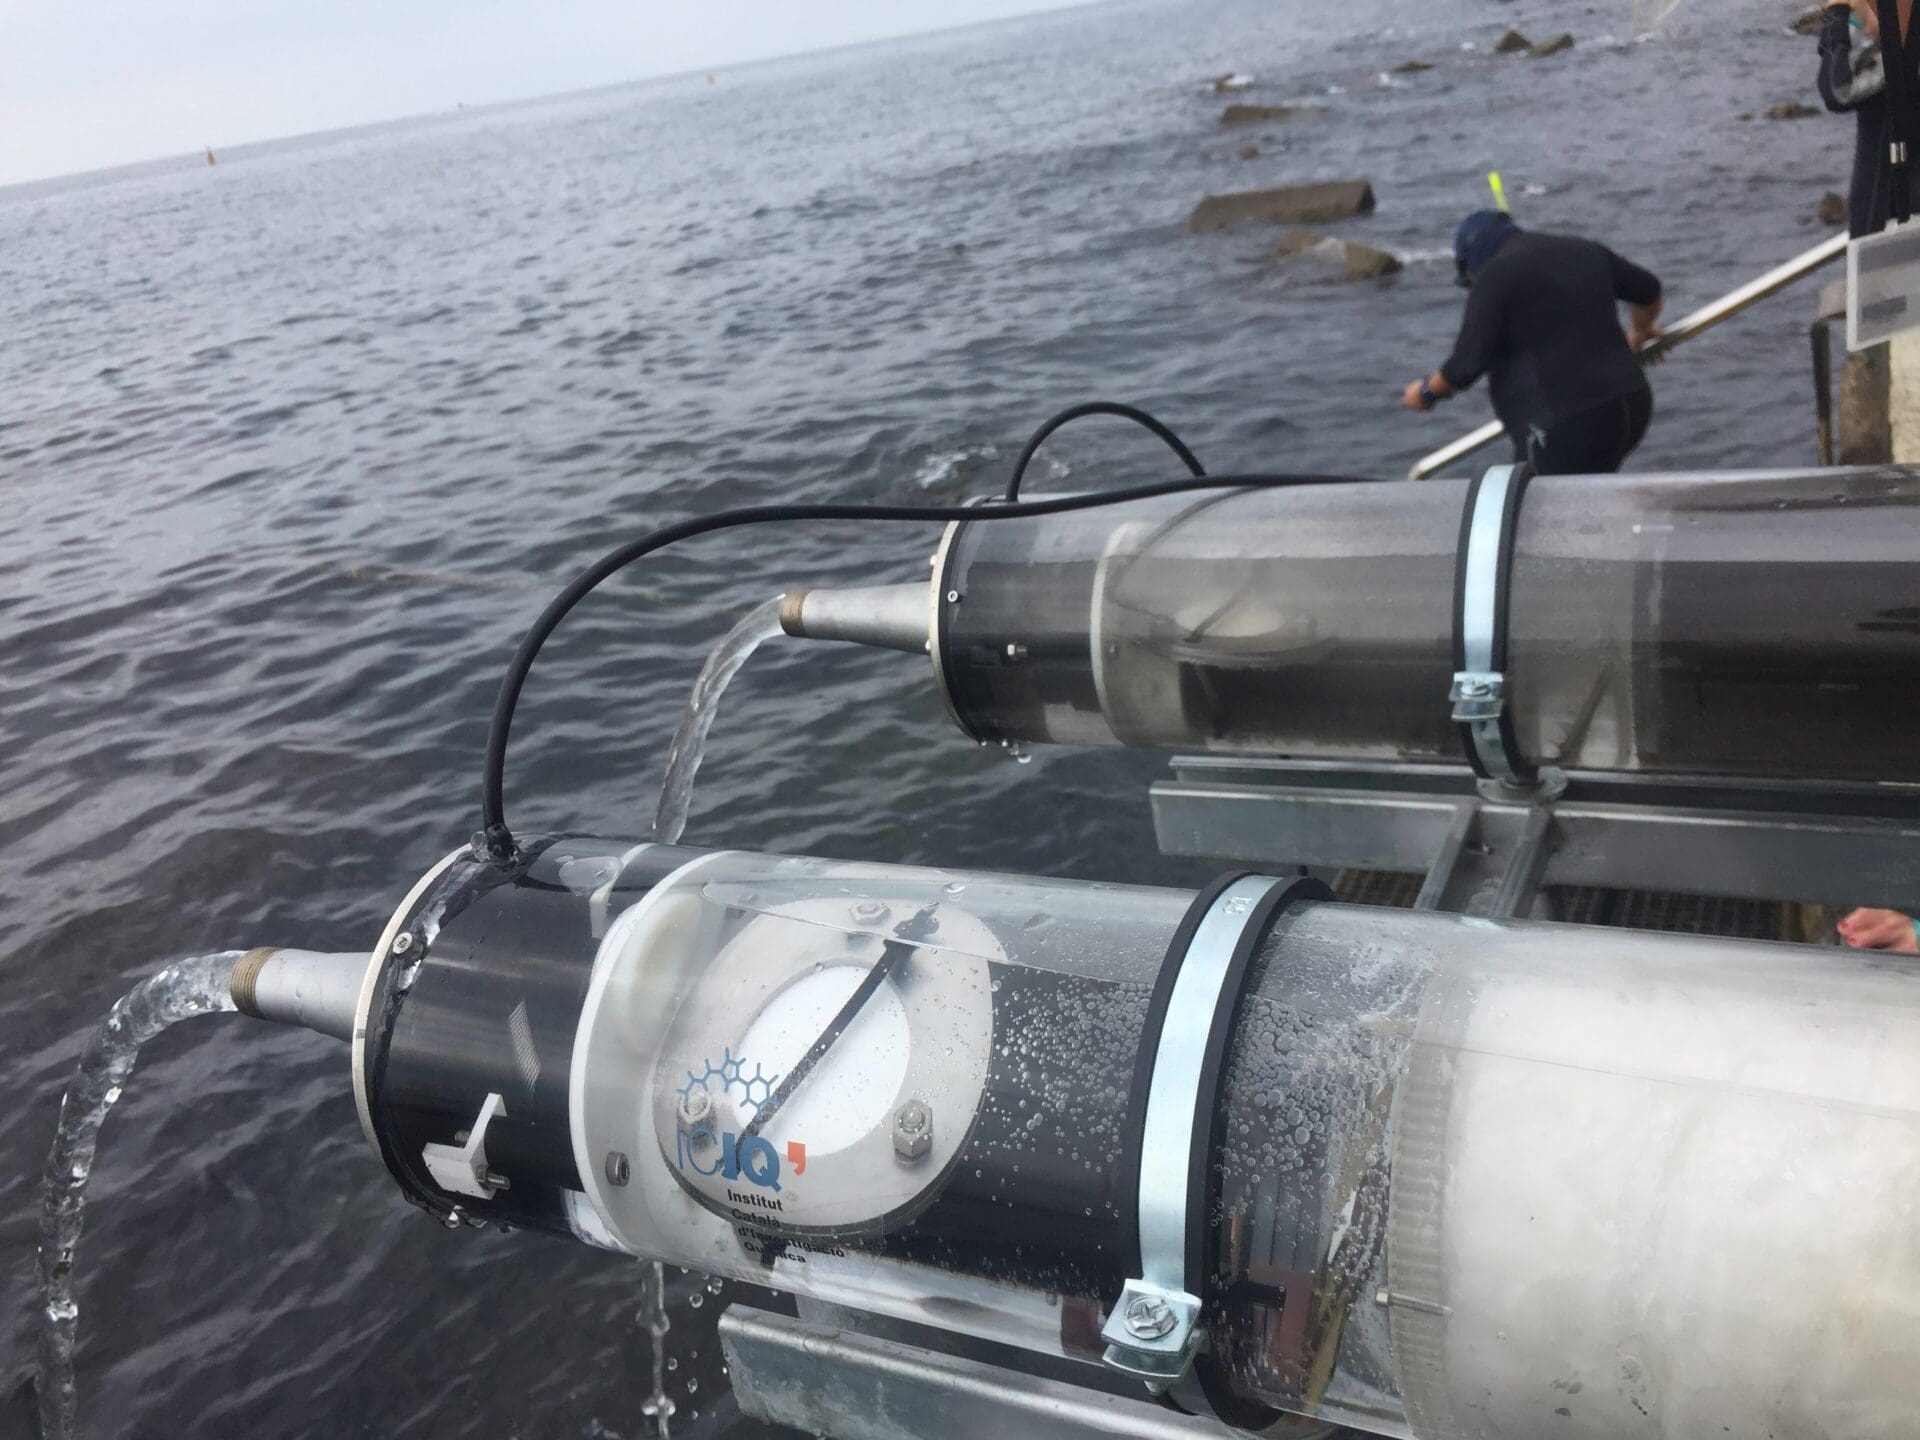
point(462, 1169)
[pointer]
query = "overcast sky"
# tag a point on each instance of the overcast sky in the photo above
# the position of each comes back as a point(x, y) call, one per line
point(85, 84)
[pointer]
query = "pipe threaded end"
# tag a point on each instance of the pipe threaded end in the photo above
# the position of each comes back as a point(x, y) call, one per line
point(791, 605)
point(246, 975)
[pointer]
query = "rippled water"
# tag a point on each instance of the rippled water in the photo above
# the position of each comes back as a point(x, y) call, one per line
point(293, 448)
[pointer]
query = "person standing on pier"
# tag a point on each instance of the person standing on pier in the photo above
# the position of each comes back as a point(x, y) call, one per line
point(1542, 324)
point(1854, 81)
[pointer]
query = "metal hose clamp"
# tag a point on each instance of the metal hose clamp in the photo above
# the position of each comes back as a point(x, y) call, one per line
point(1482, 596)
point(1154, 1330)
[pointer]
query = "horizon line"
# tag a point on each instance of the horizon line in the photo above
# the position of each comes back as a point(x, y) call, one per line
point(1040, 7)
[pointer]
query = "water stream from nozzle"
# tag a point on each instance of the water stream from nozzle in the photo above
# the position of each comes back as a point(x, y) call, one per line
point(689, 745)
point(657, 1407)
point(684, 755)
point(200, 986)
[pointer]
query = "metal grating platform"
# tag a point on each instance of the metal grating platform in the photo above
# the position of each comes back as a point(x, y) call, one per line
point(1628, 909)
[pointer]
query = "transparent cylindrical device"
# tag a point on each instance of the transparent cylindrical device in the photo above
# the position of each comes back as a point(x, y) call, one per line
point(1700, 624)
point(949, 1158)
point(1573, 1181)
point(1465, 1180)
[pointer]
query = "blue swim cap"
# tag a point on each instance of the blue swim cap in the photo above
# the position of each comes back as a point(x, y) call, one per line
point(1479, 236)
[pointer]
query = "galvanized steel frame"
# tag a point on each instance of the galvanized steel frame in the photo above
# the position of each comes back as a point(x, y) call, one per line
point(887, 1388)
point(1491, 852)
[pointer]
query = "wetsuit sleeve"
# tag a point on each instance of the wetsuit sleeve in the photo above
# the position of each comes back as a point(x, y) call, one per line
point(1631, 283)
point(1842, 88)
point(1475, 348)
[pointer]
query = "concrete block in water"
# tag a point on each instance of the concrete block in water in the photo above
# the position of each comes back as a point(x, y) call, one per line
point(1551, 47)
point(1833, 209)
point(1511, 43)
point(1260, 114)
point(1287, 205)
point(1359, 262)
point(1791, 110)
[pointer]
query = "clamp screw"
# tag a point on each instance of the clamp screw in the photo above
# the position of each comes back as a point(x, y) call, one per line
point(1475, 689)
point(1148, 1317)
point(402, 942)
point(912, 1130)
point(619, 1171)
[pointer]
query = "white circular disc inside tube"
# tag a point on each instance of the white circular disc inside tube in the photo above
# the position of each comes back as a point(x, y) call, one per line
point(847, 1094)
point(716, 994)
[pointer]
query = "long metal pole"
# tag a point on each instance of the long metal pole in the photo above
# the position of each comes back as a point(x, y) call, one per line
point(1698, 323)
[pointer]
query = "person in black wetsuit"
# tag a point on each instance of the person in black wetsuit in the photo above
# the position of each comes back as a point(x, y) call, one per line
point(1542, 324)
point(1855, 81)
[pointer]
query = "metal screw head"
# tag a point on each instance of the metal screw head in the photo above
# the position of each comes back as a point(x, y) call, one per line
point(1475, 689)
point(1016, 651)
point(619, 1171)
point(869, 912)
point(402, 943)
point(912, 1130)
point(953, 597)
point(1148, 1317)
point(696, 1105)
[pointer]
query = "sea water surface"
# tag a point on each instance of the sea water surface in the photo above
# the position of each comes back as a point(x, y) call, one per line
point(293, 448)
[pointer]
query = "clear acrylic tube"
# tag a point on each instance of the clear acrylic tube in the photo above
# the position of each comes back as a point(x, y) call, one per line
point(1701, 624)
point(1469, 1180)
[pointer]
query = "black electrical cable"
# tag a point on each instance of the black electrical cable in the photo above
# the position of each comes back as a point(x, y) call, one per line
point(1099, 407)
point(499, 839)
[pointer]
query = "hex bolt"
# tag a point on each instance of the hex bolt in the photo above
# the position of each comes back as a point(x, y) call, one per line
point(696, 1105)
point(1475, 689)
point(912, 1130)
point(869, 912)
point(1148, 1317)
point(618, 1170)
point(402, 943)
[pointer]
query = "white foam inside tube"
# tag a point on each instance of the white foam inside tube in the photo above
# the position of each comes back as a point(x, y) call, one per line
point(1673, 1209)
